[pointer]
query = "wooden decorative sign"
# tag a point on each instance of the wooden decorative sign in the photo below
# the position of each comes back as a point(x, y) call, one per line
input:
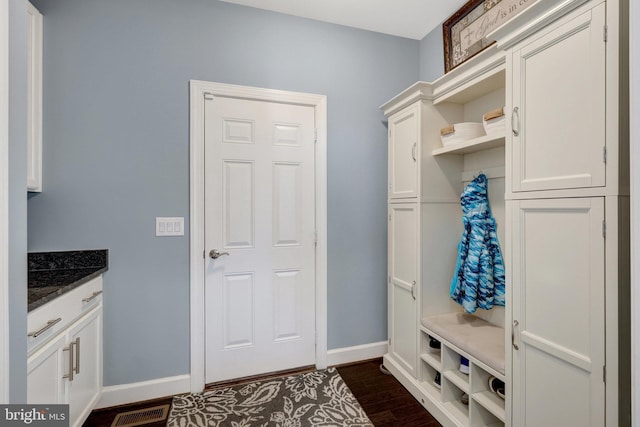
point(464, 33)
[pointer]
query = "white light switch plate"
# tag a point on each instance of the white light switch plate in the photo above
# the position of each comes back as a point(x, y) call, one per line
point(169, 226)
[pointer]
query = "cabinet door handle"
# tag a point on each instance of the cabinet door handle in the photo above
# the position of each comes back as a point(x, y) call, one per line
point(413, 151)
point(70, 350)
point(513, 335)
point(515, 122)
point(45, 328)
point(77, 355)
point(413, 289)
point(94, 295)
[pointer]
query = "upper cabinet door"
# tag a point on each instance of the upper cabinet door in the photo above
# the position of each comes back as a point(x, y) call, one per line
point(558, 117)
point(34, 87)
point(404, 153)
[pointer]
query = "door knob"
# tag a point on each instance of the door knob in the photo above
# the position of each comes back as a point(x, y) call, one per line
point(215, 254)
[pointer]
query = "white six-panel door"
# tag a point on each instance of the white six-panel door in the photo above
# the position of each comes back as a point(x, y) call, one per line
point(260, 209)
point(558, 312)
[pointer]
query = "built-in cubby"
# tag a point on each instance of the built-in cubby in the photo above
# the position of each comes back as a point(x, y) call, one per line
point(482, 407)
point(463, 398)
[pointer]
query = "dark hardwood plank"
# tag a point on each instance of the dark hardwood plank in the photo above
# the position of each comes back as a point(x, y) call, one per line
point(386, 402)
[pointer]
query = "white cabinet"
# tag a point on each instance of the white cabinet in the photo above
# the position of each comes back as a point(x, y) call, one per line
point(45, 372)
point(424, 231)
point(404, 153)
point(558, 115)
point(86, 387)
point(558, 312)
point(65, 366)
point(34, 99)
point(403, 279)
point(558, 189)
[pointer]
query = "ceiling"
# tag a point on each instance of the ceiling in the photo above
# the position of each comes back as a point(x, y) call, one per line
point(412, 19)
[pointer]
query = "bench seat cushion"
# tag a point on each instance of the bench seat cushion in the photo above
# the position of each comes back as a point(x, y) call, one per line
point(471, 334)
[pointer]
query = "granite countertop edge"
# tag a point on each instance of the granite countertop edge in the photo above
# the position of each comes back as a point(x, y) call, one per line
point(47, 278)
point(64, 289)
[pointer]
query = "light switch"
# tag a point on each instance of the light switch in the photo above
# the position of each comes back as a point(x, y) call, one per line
point(169, 226)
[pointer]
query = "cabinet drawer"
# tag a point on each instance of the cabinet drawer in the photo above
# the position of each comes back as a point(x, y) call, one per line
point(46, 321)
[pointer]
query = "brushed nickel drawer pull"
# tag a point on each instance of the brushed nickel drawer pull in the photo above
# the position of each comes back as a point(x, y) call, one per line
point(95, 294)
point(46, 327)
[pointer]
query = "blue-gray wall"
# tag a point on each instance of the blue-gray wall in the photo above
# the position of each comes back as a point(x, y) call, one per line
point(116, 144)
point(18, 200)
point(432, 55)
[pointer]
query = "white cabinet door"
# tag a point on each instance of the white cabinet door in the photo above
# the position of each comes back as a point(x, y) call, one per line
point(68, 369)
point(34, 96)
point(558, 312)
point(86, 387)
point(45, 373)
point(404, 152)
point(559, 107)
point(403, 276)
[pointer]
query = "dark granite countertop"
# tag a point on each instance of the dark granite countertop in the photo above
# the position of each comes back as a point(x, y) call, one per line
point(52, 274)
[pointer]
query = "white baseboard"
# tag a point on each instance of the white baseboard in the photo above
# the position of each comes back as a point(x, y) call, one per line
point(146, 390)
point(154, 389)
point(357, 353)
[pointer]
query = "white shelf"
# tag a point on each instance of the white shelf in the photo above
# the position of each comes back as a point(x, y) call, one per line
point(459, 411)
point(459, 379)
point(431, 389)
point(491, 402)
point(432, 359)
point(481, 74)
point(473, 145)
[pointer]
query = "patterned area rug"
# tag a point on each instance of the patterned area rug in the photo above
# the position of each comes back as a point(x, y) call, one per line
point(319, 398)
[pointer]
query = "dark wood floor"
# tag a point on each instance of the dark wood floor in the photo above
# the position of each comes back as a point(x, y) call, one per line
point(382, 397)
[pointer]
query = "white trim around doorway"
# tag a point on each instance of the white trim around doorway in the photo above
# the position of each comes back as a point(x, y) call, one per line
point(198, 90)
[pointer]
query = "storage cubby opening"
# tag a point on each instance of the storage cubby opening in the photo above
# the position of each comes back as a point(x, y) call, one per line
point(427, 380)
point(452, 399)
point(480, 417)
point(450, 359)
point(481, 376)
point(432, 359)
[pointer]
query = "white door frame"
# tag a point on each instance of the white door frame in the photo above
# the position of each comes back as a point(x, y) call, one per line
point(198, 89)
point(4, 201)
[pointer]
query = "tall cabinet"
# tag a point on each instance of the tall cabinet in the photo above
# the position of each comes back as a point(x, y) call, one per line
point(558, 188)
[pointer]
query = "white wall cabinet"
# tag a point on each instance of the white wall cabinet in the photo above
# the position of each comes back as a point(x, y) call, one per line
point(404, 153)
point(558, 188)
point(558, 311)
point(403, 278)
point(34, 96)
point(558, 122)
point(65, 365)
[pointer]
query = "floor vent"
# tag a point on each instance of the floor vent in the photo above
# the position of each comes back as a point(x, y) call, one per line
point(155, 414)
